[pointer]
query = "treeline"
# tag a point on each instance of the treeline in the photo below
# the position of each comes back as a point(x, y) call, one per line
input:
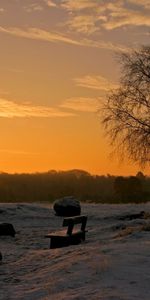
point(51, 185)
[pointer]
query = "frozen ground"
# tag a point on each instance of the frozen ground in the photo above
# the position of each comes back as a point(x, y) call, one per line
point(113, 263)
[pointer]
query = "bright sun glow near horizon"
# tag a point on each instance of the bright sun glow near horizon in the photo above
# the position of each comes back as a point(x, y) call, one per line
point(57, 64)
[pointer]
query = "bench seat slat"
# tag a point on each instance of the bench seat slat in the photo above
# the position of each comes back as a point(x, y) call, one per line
point(56, 233)
point(73, 236)
point(63, 233)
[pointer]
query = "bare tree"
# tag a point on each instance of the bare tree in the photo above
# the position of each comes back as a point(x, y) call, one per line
point(126, 117)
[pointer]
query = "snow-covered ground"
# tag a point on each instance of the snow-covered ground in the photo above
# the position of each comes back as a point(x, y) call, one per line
point(113, 263)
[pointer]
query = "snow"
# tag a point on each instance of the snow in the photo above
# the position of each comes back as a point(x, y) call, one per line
point(112, 264)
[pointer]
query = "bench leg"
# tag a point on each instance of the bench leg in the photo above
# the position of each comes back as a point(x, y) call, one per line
point(83, 236)
point(77, 239)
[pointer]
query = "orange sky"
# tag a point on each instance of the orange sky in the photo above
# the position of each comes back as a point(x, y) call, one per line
point(57, 62)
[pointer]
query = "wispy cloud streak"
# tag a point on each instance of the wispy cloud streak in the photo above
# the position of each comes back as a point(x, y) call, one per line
point(82, 104)
point(11, 109)
point(95, 82)
point(38, 34)
point(43, 35)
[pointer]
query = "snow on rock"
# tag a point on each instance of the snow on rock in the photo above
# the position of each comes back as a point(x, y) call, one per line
point(67, 207)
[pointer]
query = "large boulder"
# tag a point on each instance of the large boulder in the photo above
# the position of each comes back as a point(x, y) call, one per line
point(7, 229)
point(67, 207)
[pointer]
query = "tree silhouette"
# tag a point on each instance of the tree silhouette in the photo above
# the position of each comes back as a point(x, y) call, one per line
point(128, 189)
point(126, 113)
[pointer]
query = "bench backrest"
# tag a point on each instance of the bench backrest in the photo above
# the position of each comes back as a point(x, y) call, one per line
point(71, 221)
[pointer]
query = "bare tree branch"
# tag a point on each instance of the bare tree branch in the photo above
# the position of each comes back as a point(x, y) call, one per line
point(126, 113)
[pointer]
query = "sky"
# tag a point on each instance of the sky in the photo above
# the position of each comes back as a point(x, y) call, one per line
point(57, 64)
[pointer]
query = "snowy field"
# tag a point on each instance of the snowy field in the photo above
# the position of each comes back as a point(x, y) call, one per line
point(112, 264)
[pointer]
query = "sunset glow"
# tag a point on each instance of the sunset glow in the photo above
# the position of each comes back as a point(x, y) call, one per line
point(57, 64)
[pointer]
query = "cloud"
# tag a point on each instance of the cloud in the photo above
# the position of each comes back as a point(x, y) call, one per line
point(33, 7)
point(11, 109)
point(83, 24)
point(104, 45)
point(42, 35)
point(123, 17)
point(119, 15)
point(50, 3)
point(89, 16)
point(143, 3)
point(78, 19)
point(95, 82)
point(82, 104)
point(38, 34)
point(77, 5)
point(2, 10)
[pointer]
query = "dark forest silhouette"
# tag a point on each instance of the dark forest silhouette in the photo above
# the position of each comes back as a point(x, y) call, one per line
point(46, 187)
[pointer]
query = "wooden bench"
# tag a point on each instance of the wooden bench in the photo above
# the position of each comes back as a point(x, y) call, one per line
point(62, 238)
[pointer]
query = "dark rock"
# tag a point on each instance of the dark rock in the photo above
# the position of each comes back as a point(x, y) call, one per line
point(67, 207)
point(7, 229)
point(1, 256)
